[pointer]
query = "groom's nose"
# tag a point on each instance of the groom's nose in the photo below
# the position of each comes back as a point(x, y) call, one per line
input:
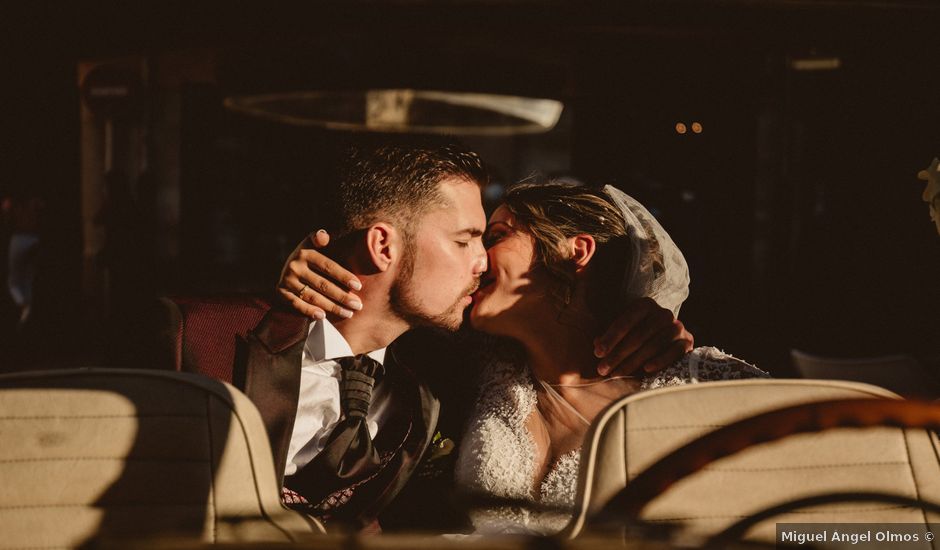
point(479, 267)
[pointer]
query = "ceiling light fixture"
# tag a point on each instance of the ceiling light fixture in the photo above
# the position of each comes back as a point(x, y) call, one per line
point(405, 111)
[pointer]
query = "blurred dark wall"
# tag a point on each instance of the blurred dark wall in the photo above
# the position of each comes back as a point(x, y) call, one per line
point(796, 206)
point(39, 151)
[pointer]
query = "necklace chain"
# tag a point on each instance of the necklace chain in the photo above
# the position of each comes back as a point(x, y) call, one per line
point(589, 383)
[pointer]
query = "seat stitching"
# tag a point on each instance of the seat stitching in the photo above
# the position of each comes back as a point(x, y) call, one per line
point(626, 452)
point(684, 427)
point(121, 458)
point(106, 506)
point(212, 472)
point(806, 467)
point(260, 501)
point(79, 416)
point(809, 512)
point(907, 447)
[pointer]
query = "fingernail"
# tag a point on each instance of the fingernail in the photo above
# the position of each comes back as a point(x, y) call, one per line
point(319, 315)
point(354, 284)
point(603, 369)
point(355, 304)
point(599, 351)
point(321, 231)
point(345, 313)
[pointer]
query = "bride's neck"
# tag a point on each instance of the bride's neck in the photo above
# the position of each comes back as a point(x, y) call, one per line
point(561, 350)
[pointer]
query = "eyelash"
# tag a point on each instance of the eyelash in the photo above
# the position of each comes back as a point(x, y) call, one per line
point(463, 244)
point(492, 239)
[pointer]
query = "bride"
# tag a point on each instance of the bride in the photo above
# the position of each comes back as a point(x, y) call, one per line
point(563, 261)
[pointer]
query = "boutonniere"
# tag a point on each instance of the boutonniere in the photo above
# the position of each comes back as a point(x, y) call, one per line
point(440, 447)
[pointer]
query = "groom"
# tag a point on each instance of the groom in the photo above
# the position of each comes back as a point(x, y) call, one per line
point(348, 418)
point(408, 222)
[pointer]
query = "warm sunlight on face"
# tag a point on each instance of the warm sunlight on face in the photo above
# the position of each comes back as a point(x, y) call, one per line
point(449, 259)
point(511, 292)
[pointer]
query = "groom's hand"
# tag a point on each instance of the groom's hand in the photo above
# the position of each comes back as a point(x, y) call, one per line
point(310, 281)
point(645, 336)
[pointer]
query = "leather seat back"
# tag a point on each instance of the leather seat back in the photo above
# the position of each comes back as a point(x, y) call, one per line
point(635, 432)
point(88, 454)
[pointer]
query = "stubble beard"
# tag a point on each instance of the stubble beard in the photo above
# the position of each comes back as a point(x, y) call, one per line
point(406, 304)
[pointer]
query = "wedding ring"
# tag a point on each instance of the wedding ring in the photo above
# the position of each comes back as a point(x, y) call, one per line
point(300, 293)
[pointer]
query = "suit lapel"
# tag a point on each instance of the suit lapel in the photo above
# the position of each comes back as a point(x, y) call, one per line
point(430, 410)
point(427, 406)
point(425, 410)
point(271, 361)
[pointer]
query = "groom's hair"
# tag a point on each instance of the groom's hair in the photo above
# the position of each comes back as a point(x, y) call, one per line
point(397, 181)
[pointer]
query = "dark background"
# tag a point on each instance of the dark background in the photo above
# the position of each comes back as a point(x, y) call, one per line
point(797, 207)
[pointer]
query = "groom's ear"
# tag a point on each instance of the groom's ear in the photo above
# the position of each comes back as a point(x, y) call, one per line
point(583, 248)
point(382, 245)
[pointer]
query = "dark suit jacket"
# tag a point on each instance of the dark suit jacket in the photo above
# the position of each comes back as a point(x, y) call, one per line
point(257, 348)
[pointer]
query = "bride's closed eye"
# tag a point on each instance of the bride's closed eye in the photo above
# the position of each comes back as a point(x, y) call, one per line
point(492, 237)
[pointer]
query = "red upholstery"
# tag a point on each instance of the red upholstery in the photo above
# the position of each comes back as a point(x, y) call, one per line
point(208, 329)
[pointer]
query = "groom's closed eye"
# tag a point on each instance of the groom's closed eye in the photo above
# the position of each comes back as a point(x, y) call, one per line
point(467, 236)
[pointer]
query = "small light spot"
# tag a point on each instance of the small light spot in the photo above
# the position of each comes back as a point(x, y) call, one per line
point(696, 127)
point(680, 128)
point(493, 192)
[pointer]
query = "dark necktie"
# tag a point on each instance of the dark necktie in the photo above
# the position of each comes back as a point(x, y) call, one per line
point(359, 375)
point(349, 455)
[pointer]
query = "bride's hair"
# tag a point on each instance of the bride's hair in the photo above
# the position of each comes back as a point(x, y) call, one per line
point(552, 212)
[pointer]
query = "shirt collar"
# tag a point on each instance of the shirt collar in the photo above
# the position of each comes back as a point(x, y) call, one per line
point(325, 342)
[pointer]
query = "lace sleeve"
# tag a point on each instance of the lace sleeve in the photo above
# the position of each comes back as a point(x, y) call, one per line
point(703, 364)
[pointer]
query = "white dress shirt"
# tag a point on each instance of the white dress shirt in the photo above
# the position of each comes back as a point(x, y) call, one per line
point(318, 408)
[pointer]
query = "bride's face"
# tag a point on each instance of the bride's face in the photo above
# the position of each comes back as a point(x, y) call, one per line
point(512, 293)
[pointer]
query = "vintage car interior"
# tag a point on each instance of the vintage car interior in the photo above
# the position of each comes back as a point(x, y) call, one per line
point(161, 160)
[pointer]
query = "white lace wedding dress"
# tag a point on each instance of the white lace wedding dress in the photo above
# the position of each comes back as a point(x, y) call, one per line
point(497, 455)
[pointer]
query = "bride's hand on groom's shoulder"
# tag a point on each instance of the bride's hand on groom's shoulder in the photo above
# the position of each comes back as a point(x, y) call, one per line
point(644, 339)
point(316, 285)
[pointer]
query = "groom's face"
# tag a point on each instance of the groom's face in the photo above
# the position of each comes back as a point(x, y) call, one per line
point(446, 261)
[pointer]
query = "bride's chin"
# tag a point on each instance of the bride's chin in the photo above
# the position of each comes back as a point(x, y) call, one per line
point(477, 320)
